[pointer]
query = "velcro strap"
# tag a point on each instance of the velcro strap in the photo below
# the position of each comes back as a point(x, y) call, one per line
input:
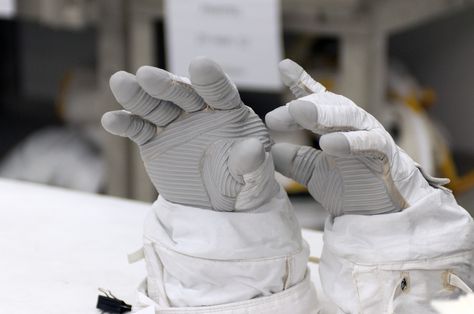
point(136, 256)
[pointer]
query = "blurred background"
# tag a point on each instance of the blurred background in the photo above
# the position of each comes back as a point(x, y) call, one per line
point(408, 62)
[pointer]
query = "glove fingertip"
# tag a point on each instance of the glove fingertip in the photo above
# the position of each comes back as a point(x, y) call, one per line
point(204, 71)
point(123, 85)
point(335, 144)
point(116, 122)
point(304, 113)
point(290, 72)
point(246, 156)
point(280, 120)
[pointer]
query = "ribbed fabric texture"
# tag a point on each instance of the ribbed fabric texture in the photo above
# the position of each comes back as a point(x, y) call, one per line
point(220, 95)
point(139, 130)
point(350, 186)
point(365, 191)
point(182, 93)
point(219, 183)
point(180, 158)
point(160, 112)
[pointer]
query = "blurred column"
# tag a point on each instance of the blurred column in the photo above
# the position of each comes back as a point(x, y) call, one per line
point(111, 58)
point(363, 68)
point(141, 29)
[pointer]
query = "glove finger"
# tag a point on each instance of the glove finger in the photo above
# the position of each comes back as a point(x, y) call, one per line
point(133, 98)
point(167, 86)
point(248, 160)
point(296, 78)
point(246, 156)
point(213, 84)
point(328, 112)
point(294, 161)
point(280, 119)
point(375, 143)
point(123, 123)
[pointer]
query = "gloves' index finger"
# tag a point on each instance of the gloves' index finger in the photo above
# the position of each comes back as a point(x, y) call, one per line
point(213, 84)
point(133, 98)
point(167, 86)
point(296, 78)
point(327, 112)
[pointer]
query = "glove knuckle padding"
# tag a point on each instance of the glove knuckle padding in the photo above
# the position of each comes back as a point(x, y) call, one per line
point(187, 162)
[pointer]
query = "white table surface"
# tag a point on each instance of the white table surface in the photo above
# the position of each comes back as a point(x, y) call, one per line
point(57, 247)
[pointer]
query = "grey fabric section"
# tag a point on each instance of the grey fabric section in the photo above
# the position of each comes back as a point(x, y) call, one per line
point(326, 185)
point(193, 126)
point(220, 95)
point(351, 185)
point(365, 191)
point(163, 113)
point(175, 160)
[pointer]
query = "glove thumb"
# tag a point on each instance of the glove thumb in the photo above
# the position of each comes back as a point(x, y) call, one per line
point(249, 160)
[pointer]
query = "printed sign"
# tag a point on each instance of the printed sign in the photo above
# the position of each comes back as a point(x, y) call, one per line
point(243, 36)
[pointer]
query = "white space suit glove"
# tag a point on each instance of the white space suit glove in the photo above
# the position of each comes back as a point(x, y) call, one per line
point(360, 169)
point(201, 145)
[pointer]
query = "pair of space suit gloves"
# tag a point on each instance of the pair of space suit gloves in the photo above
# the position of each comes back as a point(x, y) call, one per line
point(222, 235)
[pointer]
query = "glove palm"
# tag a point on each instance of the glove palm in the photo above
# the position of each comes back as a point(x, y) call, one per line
point(200, 144)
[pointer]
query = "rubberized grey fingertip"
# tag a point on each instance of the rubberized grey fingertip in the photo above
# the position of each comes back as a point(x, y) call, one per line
point(116, 122)
point(204, 71)
point(290, 72)
point(122, 123)
point(304, 113)
point(281, 120)
point(246, 156)
point(154, 81)
point(210, 81)
point(283, 156)
point(335, 144)
point(124, 86)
